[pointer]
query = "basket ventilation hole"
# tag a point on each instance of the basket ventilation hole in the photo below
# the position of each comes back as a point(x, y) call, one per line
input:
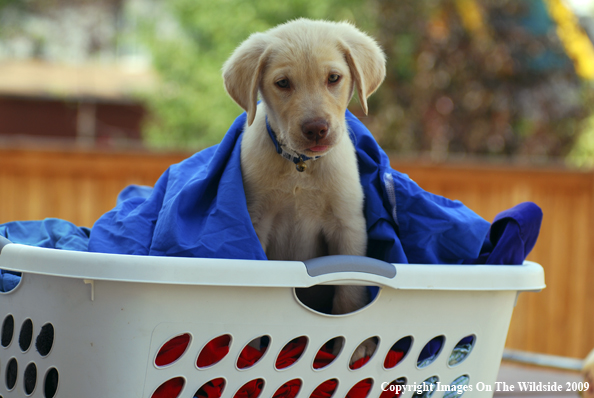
point(45, 340)
point(26, 335)
point(12, 370)
point(50, 386)
point(326, 389)
point(457, 387)
point(215, 350)
point(461, 350)
point(172, 350)
point(430, 352)
point(427, 388)
point(328, 352)
point(253, 352)
point(367, 349)
point(288, 390)
point(7, 331)
point(394, 389)
point(361, 389)
point(251, 389)
point(291, 352)
point(398, 352)
point(170, 389)
point(211, 389)
point(30, 378)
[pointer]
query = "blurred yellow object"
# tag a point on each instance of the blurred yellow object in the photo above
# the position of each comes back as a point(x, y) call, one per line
point(471, 16)
point(575, 41)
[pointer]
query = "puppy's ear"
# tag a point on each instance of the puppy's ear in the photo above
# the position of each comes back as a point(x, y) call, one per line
point(366, 60)
point(243, 70)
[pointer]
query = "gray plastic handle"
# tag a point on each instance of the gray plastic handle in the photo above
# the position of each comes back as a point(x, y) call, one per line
point(3, 242)
point(343, 263)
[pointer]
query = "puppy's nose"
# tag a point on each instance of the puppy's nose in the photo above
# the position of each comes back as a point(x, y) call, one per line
point(315, 129)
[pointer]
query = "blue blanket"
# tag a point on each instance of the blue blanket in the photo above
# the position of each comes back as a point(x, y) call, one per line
point(197, 208)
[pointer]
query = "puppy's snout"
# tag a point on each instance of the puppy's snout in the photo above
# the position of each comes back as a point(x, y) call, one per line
point(315, 129)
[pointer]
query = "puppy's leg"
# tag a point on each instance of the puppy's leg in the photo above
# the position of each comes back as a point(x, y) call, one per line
point(349, 238)
point(348, 298)
point(262, 218)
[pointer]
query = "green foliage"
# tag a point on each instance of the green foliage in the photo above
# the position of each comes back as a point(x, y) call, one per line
point(582, 153)
point(191, 108)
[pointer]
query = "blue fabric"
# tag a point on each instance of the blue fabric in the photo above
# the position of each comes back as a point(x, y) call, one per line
point(197, 208)
point(512, 235)
point(51, 233)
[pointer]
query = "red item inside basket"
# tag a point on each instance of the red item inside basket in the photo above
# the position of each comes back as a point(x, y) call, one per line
point(214, 351)
point(217, 348)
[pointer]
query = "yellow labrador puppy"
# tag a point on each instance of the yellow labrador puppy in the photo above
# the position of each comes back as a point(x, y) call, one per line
point(299, 165)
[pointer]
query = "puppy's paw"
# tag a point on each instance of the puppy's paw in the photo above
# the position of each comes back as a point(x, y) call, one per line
point(365, 349)
point(349, 298)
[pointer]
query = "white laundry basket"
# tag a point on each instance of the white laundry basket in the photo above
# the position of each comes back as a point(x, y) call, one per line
point(90, 325)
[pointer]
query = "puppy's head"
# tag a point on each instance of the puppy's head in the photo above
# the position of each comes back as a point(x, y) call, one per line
point(306, 72)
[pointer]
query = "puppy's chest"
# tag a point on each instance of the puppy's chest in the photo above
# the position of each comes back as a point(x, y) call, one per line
point(294, 203)
point(289, 220)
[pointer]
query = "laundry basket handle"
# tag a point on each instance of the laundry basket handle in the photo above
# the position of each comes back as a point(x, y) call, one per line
point(3, 242)
point(343, 263)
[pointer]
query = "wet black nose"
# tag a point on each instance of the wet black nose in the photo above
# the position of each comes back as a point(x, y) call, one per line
point(315, 129)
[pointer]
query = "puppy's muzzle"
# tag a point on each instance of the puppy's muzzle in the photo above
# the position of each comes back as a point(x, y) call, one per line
point(315, 130)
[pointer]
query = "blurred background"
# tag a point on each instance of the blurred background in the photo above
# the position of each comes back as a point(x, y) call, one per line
point(487, 101)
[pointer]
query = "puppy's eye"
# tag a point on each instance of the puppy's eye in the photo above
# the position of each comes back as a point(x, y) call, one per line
point(283, 83)
point(333, 78)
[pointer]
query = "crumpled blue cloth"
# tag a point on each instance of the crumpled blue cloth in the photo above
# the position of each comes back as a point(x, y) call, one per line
point(50, 233)
point(197, 208)
point(512, 235)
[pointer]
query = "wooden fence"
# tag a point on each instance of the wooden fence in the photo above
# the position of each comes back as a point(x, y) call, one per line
point(79, 186)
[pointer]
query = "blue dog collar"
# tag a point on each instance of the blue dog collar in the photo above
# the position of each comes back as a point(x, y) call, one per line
point(298, 160)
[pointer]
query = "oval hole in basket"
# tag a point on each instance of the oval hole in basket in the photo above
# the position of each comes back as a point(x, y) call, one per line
point(457, 387)
point(291, 352)
point(370, 343)
point(430, 352)
point(214, 351)
point(7, 331)
point(288, 390)
point(398, 352)
point(253, 352)
point(319, 298)
point(325, 355)
point(26, 335)
point(45, 340)
point(394, 389)
point(172, 350)
point(326, 389)
point(12, 371)
point(361, 389)
point(251, 389)
point(462, 350)
point(50, 384)
point(211, 389)
point(170, 389)
point(30, 380)
point(426, 388)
